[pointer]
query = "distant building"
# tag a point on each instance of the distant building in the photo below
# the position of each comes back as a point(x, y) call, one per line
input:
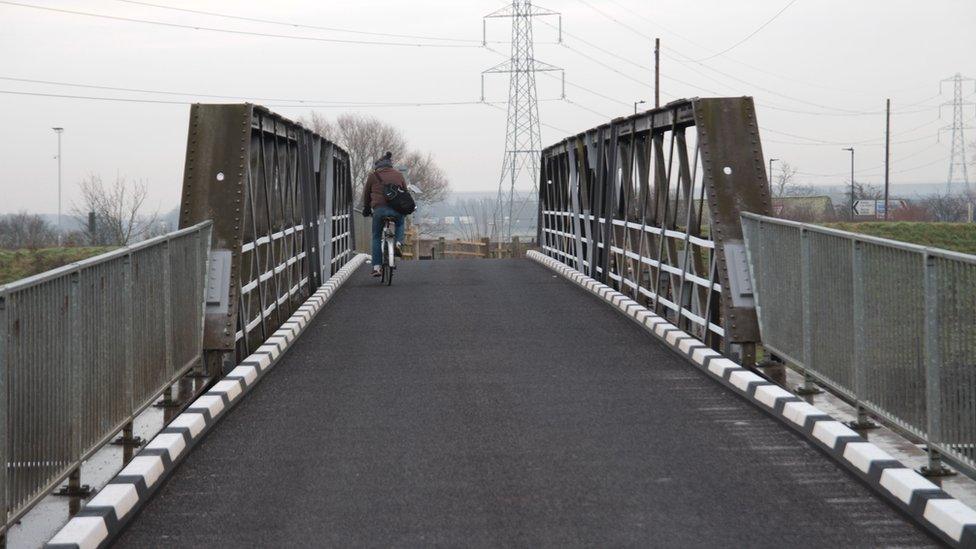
point(805, 208)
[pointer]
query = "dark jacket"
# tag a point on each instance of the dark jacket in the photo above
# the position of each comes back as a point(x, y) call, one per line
point(378, 178)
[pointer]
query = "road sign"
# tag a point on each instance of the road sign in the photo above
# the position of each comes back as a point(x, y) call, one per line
point(866, 207)
point(876, 208)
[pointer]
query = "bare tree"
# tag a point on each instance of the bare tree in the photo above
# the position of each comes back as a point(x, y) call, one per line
point(785, 183)
point(945, 206)
point(366, 138)
point(784, 179)
point(26, 231)
point(480, 212)
point(318, 124)
point(427, 176)
point(118, 211)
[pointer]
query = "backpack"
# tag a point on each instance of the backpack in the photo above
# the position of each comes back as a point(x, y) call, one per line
point(397, 197)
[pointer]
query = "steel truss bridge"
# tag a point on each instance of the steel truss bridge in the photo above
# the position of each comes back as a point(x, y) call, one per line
point(614, 388)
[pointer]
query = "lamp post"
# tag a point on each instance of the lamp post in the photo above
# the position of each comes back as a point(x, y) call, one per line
point(641, 102)
point(851, 149)
point(59, 131)
point(771, 160)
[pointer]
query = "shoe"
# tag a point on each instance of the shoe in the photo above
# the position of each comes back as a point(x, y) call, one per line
point(377, 273)
point(398, 250)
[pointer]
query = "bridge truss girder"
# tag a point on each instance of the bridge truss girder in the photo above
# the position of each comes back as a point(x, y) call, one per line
point(650, 204)
point(280, 197)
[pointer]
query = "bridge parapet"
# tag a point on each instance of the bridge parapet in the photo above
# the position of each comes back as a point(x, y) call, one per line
point(650, 205)
point(889, 326)
point(85, 348)
point(280, 197)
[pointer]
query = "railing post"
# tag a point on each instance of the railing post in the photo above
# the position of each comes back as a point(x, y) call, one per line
point(75, 490)
point(201, 245)
point(487, 244)
point(126, 440)
point(168, 305)
point(168, 403)
point(863, 421)
point(806, 268)
point(933, 363)
point(4, 436)
point(74, 338)
point(127, 274)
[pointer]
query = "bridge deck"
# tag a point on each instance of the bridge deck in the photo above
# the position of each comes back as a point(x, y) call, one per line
point(489, 403)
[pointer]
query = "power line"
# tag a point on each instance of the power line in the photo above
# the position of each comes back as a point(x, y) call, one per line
point(284, 105)
point(495, 105)
point(235, 32)
point(296, 25)
point(750, 35)
point(872, 168)
point(308, 102)
point(599, 48)
point(689, 59)
point(861, 172)
point(585, 108)
point(815, 141)
point(615, 20)
point(608, 67)
point(702, 88)
point(684, 38)
point(573, 85)
point(118, 99)
point(818, 141)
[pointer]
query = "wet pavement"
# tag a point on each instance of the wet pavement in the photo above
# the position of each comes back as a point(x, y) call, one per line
point(487, 403)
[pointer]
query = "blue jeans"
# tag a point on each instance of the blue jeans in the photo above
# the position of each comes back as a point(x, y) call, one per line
point(378, 214)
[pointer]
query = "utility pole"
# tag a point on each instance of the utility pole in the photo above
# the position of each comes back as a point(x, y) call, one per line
point(523, 141)
point(851, 149)
point(657, 72)
point(59, 131)
point(957, 162)
point(887, 153)
point(771, 160)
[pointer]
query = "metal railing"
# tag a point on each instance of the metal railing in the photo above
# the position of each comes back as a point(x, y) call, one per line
point(643, 204)
point(888, 325)
point(85, 348)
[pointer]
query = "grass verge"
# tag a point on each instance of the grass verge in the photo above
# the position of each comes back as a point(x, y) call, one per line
point(17, 264)
point(958, 237)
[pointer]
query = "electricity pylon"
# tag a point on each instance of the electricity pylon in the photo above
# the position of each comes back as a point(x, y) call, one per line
point(957, 160)
point(523, 143)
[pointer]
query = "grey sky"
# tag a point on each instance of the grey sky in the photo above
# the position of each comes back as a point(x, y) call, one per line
point(821, 56)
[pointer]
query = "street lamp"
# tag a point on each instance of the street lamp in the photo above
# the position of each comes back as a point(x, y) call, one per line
point(59, 131)
point(641, 102)
point(851, 149)
point(771, 160)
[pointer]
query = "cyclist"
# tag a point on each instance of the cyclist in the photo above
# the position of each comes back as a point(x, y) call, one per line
point(374, 203)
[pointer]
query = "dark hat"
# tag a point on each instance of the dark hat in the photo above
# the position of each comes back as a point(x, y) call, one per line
point(384, 161)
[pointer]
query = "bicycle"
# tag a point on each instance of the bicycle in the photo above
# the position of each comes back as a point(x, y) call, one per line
point(389, 250)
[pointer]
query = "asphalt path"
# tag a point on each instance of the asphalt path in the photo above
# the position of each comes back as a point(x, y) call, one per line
point(490, 403)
